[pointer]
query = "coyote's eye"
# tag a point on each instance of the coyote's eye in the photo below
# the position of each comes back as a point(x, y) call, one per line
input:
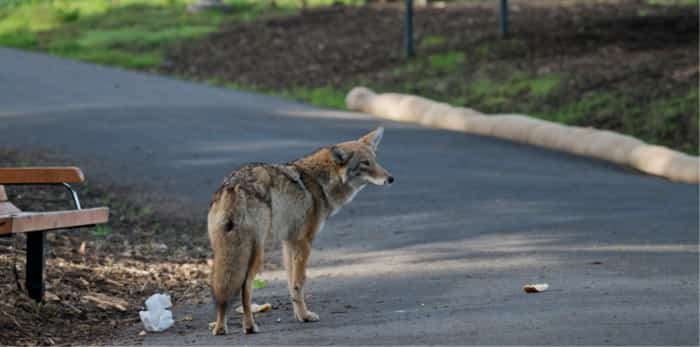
point(364, 163)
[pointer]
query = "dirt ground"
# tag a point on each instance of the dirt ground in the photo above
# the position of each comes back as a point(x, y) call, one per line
point(141, 252)
point(622, 65)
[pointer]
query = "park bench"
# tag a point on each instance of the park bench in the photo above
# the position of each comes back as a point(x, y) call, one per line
point(13, 220)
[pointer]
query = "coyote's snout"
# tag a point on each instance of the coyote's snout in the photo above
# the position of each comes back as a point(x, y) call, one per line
point(289, 202)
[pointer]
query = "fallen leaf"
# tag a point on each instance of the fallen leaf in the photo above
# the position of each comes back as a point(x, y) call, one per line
point(49, 296)
point(106, 302)
point(256, 308)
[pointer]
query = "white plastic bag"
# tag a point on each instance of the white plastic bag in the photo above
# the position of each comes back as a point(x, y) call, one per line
point(157, 317)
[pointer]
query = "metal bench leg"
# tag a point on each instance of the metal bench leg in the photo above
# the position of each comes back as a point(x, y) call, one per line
point(35, 265)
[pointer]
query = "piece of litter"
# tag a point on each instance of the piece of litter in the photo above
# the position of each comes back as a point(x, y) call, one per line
point(157, 317)
point(143, 333)
point(279, 320)
point(256, 308)
point(535, 288)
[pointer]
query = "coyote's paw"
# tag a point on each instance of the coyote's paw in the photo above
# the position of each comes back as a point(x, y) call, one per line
point(251, 329)
point(307, 316)
point(218, 329)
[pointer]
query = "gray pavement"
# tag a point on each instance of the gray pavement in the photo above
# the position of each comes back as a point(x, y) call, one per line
point(438, 258)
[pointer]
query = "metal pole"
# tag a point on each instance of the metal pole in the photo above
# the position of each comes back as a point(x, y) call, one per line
point(35, 265)
point(504, 18)
point(408, 30)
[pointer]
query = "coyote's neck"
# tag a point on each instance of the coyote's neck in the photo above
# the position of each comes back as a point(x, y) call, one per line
point(326, 173)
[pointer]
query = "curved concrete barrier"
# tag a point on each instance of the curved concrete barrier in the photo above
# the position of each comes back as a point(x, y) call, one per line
point(591, 142)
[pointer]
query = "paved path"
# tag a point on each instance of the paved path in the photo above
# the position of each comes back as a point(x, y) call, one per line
point(438, 258)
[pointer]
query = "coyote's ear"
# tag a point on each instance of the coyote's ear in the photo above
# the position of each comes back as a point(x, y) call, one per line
point(373, 138)
point(339, 155)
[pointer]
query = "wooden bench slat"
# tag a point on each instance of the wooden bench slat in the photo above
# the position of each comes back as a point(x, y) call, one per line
point(40, 175)
point(5, 225)
point(35, 221)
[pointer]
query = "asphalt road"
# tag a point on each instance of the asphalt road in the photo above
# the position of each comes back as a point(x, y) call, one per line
point(438, 258)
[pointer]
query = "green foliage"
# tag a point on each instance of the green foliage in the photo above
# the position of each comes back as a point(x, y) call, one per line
point(593, 104)
point(126, 33)
point(493, 95)
point(432, 41)
point(259, 283)
point(672, 2)
point(319, 96)
point(102, 230)
point(446, 62)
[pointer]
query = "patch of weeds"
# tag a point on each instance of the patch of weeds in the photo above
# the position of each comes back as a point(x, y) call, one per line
point(432, 41)
point(492, 95)
point(446, 62)
point(671, 120)
point(501, 48)
point(327, 97)
point(672, 2)
point(114, 57)
point(318, 96)
point(592, 105)
point(102, 230)
point(145, 211)
point(19, 39)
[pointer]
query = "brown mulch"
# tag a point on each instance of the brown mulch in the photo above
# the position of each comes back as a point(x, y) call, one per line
point(331, 46)
point(627, 50)
point(96, 278)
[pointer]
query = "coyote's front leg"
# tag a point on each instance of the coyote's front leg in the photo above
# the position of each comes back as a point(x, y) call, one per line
point(296, 254)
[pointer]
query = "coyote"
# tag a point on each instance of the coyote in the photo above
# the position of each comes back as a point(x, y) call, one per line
point(289, 202)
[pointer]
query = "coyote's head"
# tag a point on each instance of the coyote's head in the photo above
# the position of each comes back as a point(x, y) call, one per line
point(357, 161)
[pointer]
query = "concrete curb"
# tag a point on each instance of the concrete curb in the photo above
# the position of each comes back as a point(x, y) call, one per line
point(591, 142)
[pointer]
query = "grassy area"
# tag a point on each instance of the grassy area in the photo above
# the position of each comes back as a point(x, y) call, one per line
point(450, 76)
point(126, 33)
point(318, 96)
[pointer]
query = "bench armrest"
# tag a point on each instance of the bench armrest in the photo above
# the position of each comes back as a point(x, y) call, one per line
point(41, 175)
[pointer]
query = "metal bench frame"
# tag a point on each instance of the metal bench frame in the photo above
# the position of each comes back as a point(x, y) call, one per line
point(13, 220)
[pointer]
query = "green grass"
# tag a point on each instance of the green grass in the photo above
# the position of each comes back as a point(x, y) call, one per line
point(597, 103)
point(126, 33)
point(432, 41)
point(672, 2)
point(495, 95)
point(446, 62)
point(320, 96)
point(102, 231)
point(327, 97)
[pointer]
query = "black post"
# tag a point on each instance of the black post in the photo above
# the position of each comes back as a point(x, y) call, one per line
point(504, 18)
point(408, 30)
point(35, 265)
